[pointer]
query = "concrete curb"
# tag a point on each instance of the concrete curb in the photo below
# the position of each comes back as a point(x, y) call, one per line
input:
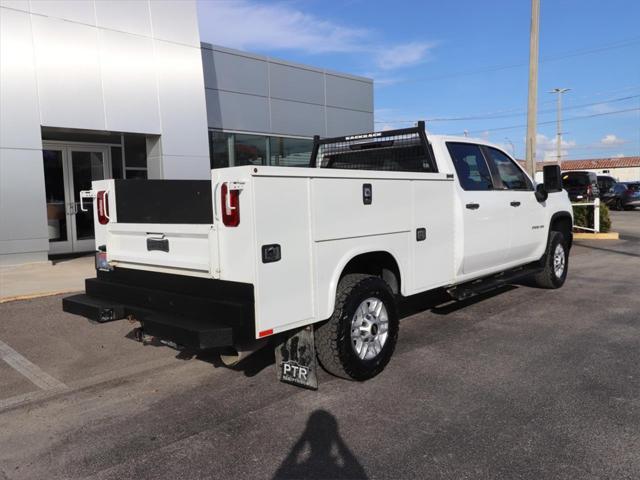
point(35, 295)
point(596, 236)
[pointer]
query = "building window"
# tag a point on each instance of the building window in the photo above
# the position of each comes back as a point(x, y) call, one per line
point(236, 149)
point(219, 148)
point(290, 152)
point(135, 156)
point(250, 150)
point(116, 162)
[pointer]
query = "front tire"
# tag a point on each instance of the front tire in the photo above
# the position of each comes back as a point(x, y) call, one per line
point(556, 263)
point(358, 340)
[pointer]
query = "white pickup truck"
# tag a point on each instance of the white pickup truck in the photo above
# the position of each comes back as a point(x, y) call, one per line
point(262, 250)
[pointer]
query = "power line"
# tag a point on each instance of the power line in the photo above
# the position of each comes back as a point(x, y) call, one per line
point(496, 68)
point(549, 110)
point(553, 121)
point(491, 117)
point(520, 109)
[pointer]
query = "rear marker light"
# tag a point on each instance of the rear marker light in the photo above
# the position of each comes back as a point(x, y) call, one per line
point(265, 333)
point(103, 207)
point(230, 205)
point(102, 263)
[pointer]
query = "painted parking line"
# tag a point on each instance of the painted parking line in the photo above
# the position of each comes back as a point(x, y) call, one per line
point(30, 370)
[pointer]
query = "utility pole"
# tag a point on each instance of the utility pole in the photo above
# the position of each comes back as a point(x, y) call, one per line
point(532, 107)
point(559, 91)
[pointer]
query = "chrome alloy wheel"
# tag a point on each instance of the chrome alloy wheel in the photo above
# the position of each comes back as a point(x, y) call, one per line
point(369, 328)
point(558, 261)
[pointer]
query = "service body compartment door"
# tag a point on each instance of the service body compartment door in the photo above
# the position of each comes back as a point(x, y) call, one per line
point(432, 238)
point(358, 207)
point(284, 288)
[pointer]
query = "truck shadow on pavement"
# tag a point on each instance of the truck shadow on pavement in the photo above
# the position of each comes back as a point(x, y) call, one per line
point(320, 452)
point(251, 366)
point(438, 302)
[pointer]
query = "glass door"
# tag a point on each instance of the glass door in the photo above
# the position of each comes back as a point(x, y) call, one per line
point(69, 169)
point(85, 165)
point(55, 175)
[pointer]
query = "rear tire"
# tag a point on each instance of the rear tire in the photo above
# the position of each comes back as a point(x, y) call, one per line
point(358, 340)
point(556, 263)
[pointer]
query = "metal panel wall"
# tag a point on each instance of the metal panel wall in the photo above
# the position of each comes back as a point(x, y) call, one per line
point(129, 82)
point(110, 65)
point(284, 98)
point(349, 93)
point(68, 71)
point(23, 224)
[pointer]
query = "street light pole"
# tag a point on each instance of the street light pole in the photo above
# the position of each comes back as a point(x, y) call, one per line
point(532, 107)
point(559, 92)
point(513, 148)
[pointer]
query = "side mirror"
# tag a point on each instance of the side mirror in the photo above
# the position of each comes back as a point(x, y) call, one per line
point(541, 193)
point(552, 178)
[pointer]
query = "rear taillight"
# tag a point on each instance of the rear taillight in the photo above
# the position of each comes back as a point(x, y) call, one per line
point(589, 190)
point(103, 207)
point(230, 206)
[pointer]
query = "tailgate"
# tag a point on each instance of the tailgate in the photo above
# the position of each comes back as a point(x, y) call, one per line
point(190, 247)
point(163, 223)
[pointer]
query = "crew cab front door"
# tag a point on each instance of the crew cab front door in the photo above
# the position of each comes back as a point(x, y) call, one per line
point(526, 215)
point(486, 225)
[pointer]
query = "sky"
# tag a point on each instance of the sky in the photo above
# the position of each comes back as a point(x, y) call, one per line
point(463, 65)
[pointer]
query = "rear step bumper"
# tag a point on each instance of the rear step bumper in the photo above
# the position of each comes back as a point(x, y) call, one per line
point(194, 313)
point(184, 331)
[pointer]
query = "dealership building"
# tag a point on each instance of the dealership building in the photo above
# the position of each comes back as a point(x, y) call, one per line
point(111, 89)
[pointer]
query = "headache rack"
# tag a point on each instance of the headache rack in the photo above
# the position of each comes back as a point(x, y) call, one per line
point(401, 150)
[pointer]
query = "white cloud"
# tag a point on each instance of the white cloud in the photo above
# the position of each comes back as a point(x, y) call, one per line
point(406, 55)
point(600, 108)
point(244, 24)
point(251, 25)
point(611, 139)
point(546, 147)
point(382, 80)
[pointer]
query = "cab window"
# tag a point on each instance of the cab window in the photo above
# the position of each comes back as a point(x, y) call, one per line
point(513, 178)
point(471, 167)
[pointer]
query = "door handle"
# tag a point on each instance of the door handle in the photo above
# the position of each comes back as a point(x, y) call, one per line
point(515, 204)
point(472, 206)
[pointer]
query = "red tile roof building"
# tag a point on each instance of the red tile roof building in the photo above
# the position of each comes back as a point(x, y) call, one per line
point(621, 168)
point(601, 163)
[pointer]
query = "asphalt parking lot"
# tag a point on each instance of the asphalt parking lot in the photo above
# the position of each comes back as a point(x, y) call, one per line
point(522, 383)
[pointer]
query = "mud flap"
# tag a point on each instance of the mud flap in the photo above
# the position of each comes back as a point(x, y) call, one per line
point(296, 358)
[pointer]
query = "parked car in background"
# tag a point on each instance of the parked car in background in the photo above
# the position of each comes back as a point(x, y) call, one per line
point(623, 195)
point(581, 186)
point(605, 183)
